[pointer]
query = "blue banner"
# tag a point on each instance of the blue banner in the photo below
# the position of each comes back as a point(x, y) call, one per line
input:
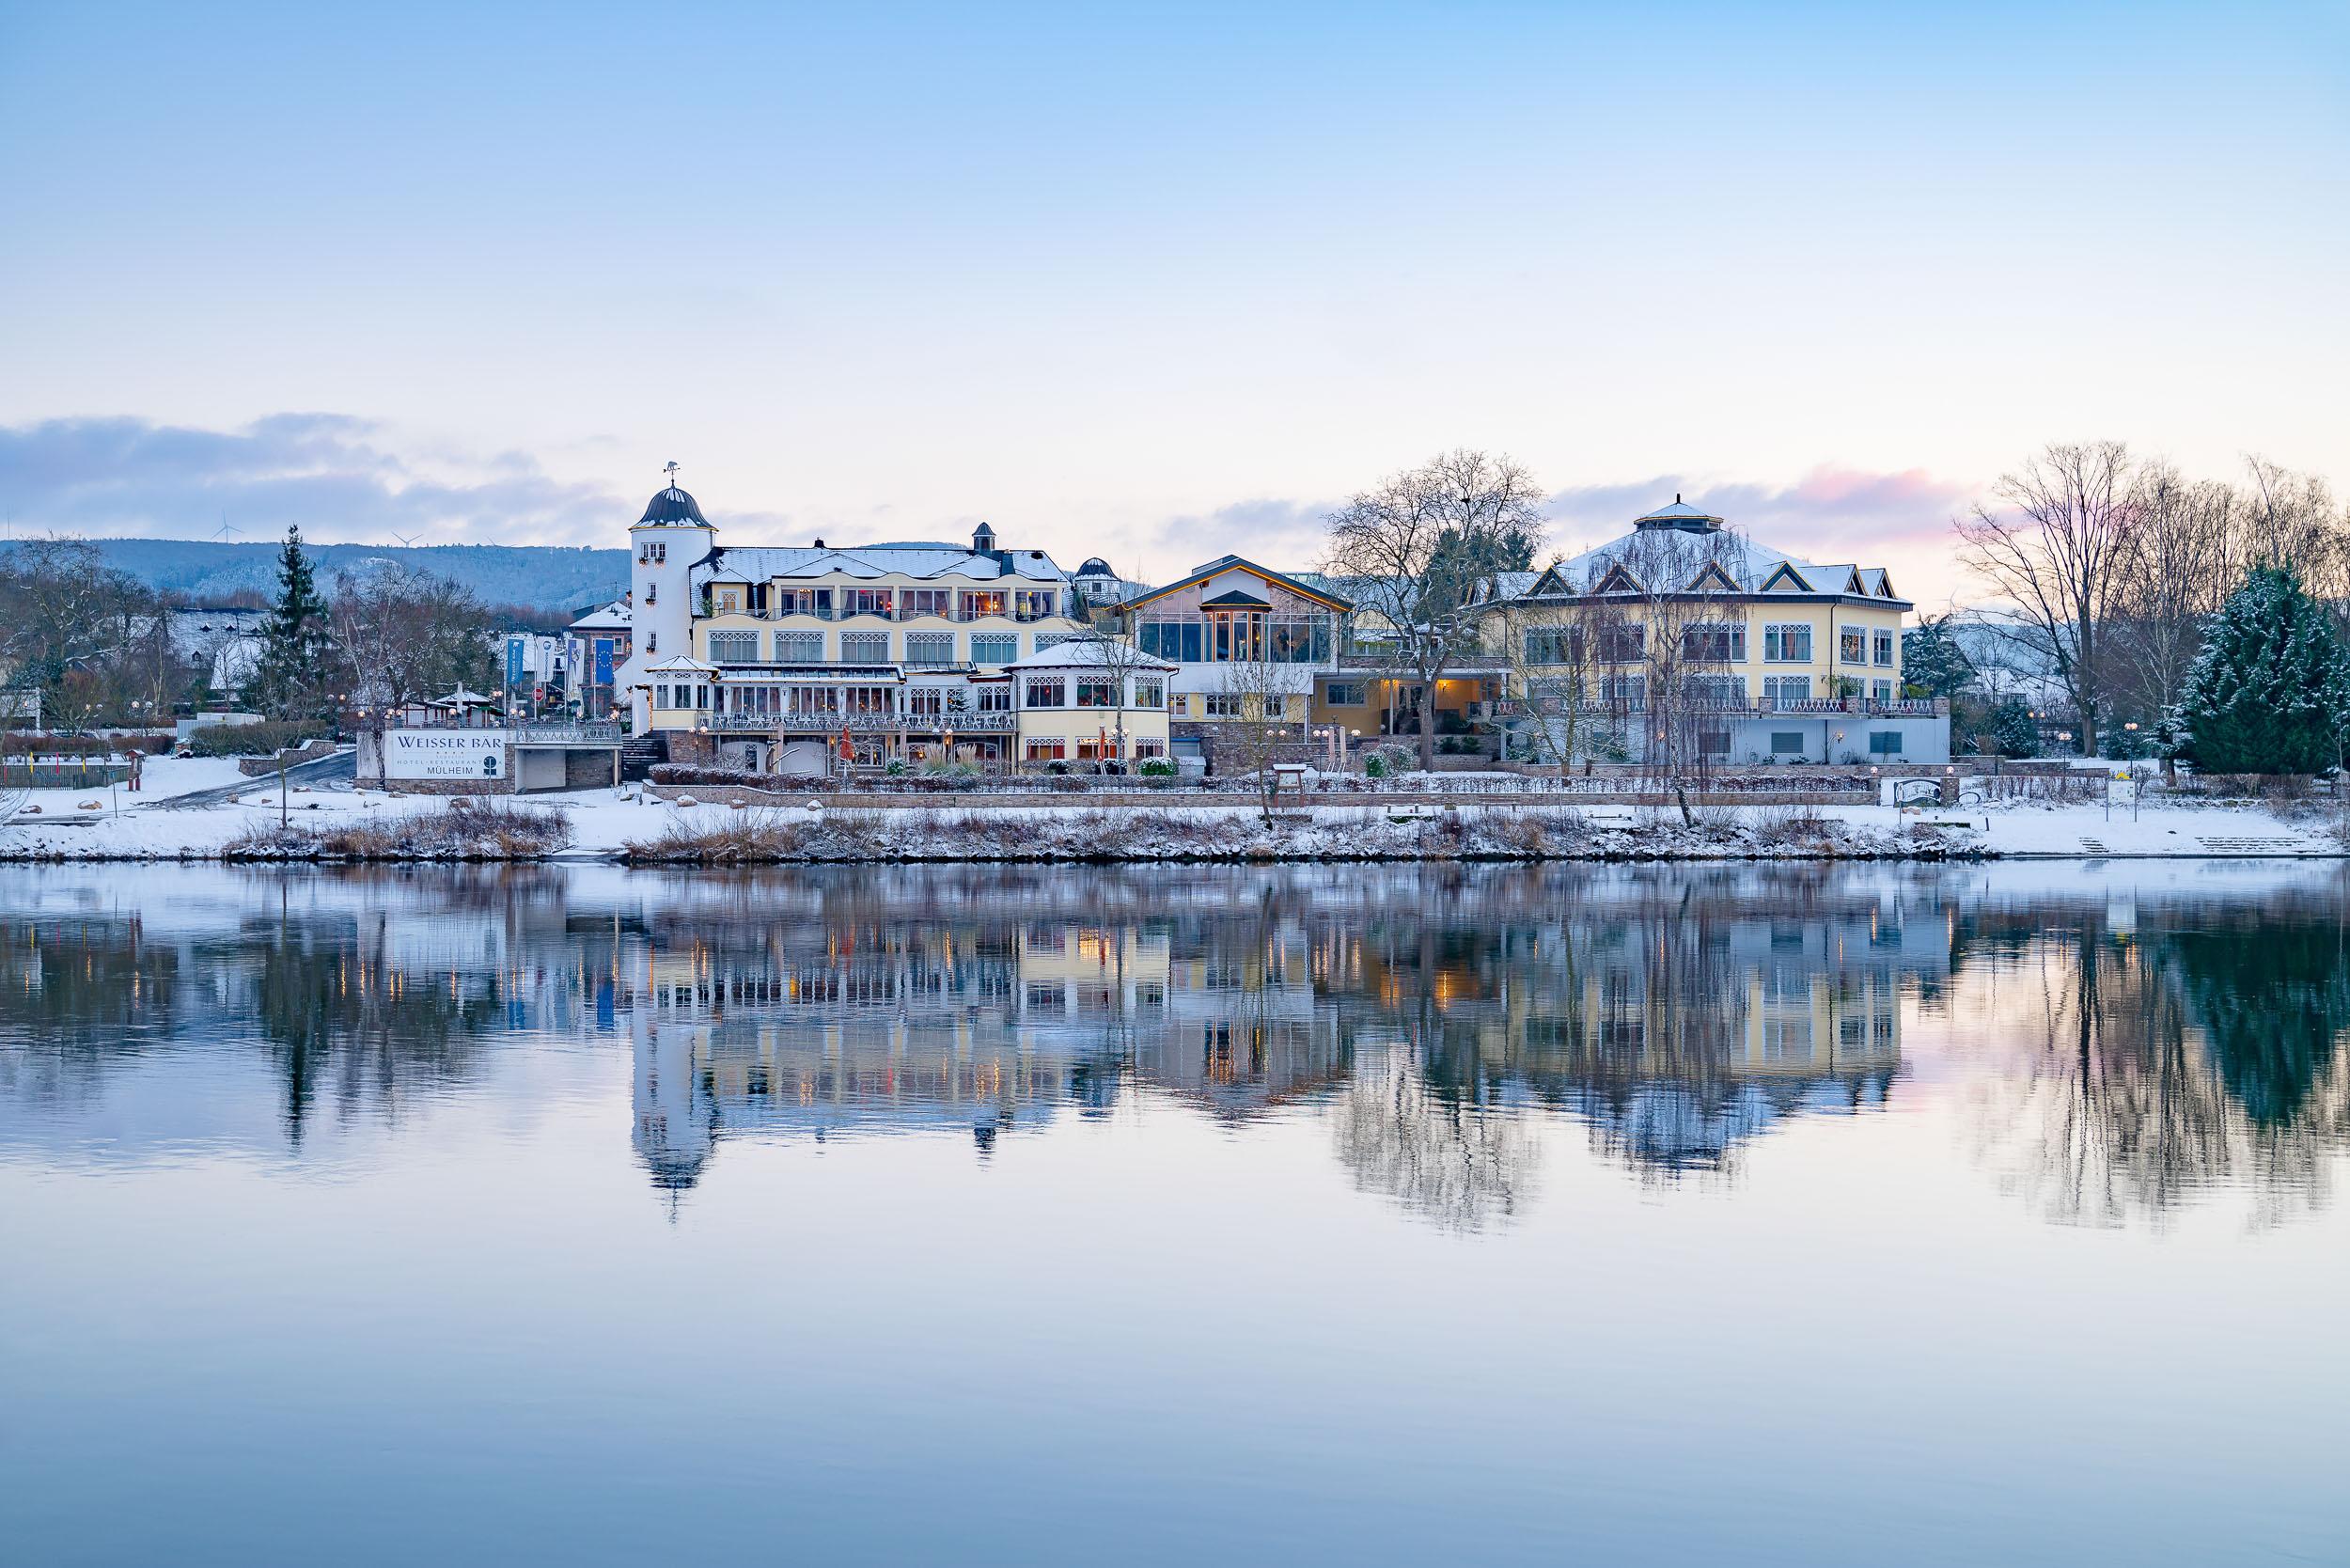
point(603, 660)
point(515, 661)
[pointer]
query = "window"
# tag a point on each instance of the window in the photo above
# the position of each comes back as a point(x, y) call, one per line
point(652, 594)
point(1092, 693)
point(1047, 751)
point(1035, 603)
point(652, 642)
point(1350, 694)
point(880, 601)
point(1883, 644)
point(661, 696)
point(1786, 740)
point(1045, 691)
point(1628, 692)
point(654, 550)
point(1183, 642)
point(971, 605)
point(929, 648)
point(1884, 742)
point(815, 601)
point(1714, 742)
point(926, 701)
point(730, 601)
point(1149, 692)
point(993, 697)
point(734, 647)
point(1787, 645)
point(864, 647)
point(1718, 691)
point(993, 648)
point(1622, 645)
point(1553, 645)
point(1714, 643)
point(1852, 645)
point(921, 602)
point(1786, 689)
point(799, 648)
point(1224, 705)
point(1881, 690)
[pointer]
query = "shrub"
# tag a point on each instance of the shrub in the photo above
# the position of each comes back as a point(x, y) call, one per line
point(1157, 767)
point(252, 740)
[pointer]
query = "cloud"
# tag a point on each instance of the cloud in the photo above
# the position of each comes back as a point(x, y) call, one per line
point(329, 473)
point(1824, 516)
point(1278, 533)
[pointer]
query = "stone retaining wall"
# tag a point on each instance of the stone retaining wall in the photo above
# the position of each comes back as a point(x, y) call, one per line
point(724, 795)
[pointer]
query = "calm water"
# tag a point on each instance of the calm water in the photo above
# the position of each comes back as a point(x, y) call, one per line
point(991, 1216)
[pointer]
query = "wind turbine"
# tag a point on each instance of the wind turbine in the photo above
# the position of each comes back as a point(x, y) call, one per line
point(225, 531)
point(409, 541)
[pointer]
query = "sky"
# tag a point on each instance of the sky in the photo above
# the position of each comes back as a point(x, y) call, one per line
point(1149, 282)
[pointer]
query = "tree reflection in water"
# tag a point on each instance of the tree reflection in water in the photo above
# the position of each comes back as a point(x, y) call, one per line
point(1433, 1019)
point(2194, 1051)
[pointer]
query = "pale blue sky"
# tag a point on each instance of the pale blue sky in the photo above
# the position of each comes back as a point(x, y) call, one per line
point(1149, 282)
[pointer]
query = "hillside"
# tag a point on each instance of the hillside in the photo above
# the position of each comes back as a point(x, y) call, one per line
point(543, 576)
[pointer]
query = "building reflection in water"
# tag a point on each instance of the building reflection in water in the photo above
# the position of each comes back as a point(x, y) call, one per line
point(1434, 1022)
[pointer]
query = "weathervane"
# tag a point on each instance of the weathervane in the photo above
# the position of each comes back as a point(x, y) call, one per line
point(670, 468)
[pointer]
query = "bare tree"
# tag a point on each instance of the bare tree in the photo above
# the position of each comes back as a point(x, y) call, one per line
point(2054, 550)
point(2176, 568)
point(1121, 662)
point(1545, 654)
point(2292, 519)
point(1255, 731)
point(407, 634)
point(1682, 589)
point(1415, 551)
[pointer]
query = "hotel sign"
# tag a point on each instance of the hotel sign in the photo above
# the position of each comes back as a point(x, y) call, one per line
point(445, 754)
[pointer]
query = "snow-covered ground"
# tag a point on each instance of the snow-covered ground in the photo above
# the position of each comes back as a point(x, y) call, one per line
point(110, 824)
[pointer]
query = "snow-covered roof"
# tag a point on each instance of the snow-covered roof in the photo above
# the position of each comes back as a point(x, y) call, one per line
point(762, 563)
point(681, 664)
point(615, 616)
point(1090, 653)
point(461, 698)
point(1690, 554)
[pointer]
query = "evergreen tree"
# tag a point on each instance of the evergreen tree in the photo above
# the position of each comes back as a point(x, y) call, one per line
point(2014, 730)
point(1931, 660)
point(2271, 692)
point(290, 681)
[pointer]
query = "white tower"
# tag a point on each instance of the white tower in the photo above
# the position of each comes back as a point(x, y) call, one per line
point(666, 543)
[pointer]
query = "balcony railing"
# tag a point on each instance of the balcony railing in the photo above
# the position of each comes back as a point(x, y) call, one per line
point(594, 731)
point(1764, 707)
point(832, 724)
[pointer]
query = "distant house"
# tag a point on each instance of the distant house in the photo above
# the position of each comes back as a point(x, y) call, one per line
point(1772, 658)
point(595, 647)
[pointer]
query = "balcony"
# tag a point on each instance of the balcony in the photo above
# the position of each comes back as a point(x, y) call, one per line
point(859, 724)
point(592, 732)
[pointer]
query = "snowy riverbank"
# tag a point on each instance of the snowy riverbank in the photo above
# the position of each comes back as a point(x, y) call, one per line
point(204, 809)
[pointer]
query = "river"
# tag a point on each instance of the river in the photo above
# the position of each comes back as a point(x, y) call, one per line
point(1359, 1214)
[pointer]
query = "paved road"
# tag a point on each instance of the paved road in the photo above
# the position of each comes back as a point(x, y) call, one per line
point(334, 772)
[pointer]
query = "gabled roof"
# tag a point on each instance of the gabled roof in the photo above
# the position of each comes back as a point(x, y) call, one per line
point(1784, 575)
point(1233, 599)
point(1228, 563)
point(1617, 578)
